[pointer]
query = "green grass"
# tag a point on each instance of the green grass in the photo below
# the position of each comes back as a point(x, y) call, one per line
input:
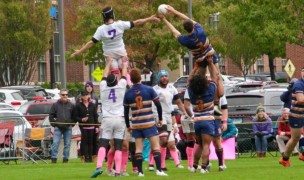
point(241, 168)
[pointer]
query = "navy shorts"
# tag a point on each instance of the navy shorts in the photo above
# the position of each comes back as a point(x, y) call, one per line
point(204, 63)
point(204, 127)
point(145, 133)
point(296, 122)
point(218, 128)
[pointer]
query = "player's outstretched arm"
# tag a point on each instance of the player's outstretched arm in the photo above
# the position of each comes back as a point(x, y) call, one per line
point(107, 71)
point(152, 18)
point(174, 31)
point(88, 45)
point(124, 70)
point(177, 13)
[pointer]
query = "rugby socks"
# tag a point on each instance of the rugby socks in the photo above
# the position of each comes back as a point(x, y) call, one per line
point(157, 158)
point(151, 158)
point(189, 151)
point(138, 160)
point(163, 151)
point(132, 152)
point(174, 155)
point(124, 160)
point(110, 158)
point(100, 157)
point(117, 159)
point(219, 153)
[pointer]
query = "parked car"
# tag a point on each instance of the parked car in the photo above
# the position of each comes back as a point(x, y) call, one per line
point(35, 111)
point(240, 79)
point(30, 92)
point(53, 93)
point(243, 105)
point(5, 106)
point(247, 86)
point(259, 77)
point(12, 97)
point(19, 120)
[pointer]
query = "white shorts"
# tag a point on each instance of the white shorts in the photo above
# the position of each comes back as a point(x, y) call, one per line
point(167, 120)
point(117, 57)
point(113, 127)
point(187, 125)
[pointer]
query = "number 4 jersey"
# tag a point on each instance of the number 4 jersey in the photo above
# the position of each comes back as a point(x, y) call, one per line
point(112, 98)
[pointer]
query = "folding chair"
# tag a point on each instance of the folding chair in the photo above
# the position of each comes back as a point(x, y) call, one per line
point(35, 148)
point(7, 148)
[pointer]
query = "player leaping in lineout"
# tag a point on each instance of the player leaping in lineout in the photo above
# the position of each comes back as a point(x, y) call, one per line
point(111, 35)
point(196, 41)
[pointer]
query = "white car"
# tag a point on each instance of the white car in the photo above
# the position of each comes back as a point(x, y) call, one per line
point(20, 122)
point(5, 106)
point(12, 97)
point(53, 93)
point(242, 79)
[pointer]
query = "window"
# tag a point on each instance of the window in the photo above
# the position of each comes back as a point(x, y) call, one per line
point(284, 61)
point(260, 62)
point(42, 69)
point(260, 69)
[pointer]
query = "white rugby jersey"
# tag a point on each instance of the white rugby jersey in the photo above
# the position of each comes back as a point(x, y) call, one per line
point(165, 97)
point(111, 35)
point(112, 98)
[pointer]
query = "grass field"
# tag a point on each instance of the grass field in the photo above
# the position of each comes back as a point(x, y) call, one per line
point(241, 168)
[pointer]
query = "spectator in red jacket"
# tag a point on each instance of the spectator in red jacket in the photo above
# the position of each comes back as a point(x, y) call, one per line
point(284, 133)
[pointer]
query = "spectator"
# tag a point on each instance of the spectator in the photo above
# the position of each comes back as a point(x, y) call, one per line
point(86, 115)
point(262, 130)
point(61, 118)
point(284, 132)
point(231, 130)
point(89, 87)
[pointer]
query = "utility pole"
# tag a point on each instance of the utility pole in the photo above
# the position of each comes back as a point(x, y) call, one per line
point(189, 52)
point(61, 44)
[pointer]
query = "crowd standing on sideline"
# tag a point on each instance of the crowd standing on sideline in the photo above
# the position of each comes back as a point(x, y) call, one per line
point(144, 112)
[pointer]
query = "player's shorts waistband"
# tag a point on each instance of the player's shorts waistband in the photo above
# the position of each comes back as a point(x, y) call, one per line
point(203, 118)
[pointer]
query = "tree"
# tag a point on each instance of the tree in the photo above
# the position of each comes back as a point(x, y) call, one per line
point(25, 35)
point(237, 47)
point(267, 23)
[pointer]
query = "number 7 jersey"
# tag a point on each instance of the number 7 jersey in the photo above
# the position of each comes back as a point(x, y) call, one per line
point(111, 35)
point(112, 98)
